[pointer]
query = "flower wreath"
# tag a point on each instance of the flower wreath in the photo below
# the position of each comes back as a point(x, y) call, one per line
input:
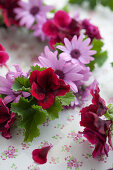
point(58, 80)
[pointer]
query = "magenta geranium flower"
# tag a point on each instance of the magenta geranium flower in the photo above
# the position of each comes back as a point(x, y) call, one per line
point(91, 30)
point(96, 130)
point(61, 26)
point(3, 56)
point(6, 120)
point(6, 84)
point(30, 12)
point(40, 155)
point(45, 86)
point(77, 50)
point(7, 7)
point(68, 72)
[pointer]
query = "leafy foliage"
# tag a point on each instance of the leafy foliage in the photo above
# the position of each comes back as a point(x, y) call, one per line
point(93, 3)
point(67, 98)
point(100, 57)
point(33, 68)
point(109, 114)
point(32, 116)
point(53, 111)
point(58, 50)
point(21, 84)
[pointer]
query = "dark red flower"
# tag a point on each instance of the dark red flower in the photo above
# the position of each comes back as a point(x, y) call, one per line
point(60, 27)
point(91, 121)
point(97, 139)
point(91, 30)
point(6, 120)
point(96, 130)
point(40, 155)
point(98, 105)
point(7, 7)
point(3, 56)
point(46, 86)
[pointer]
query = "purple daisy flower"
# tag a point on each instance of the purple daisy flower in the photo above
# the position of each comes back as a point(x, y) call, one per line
point(83, 95)
point(77, 50)
point(69, 72)
point(29, 12)
point(6, 84)
point(38, 28)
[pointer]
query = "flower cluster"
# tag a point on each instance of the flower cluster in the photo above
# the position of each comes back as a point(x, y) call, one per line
point(96, 129)
point(59, 78)
point(63, 26)
point(7, 7)
point(33, 16)
point(33, 96)
point(70, 65)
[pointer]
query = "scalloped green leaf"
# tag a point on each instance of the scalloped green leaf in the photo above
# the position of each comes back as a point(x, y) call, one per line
point(67, 98)
point(32, 116)
point(21, 84)
point(33, 68)
point(100, 57)
point(53, 111)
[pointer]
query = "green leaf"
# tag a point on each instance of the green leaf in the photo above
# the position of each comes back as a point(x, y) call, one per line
point(53, 111)
point(107, 3)
point(33, 68)
point(76, 1)
point(53, 11)
point(66, 8)
point(100, 57)
point(59, 51)
point(67, 98)
point(93, 3)
point(32, 116)
point(112, 64)
point(109, 115)
point(21, 84)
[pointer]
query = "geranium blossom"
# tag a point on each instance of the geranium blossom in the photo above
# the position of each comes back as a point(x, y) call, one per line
point(61, 26)
point(91, 30)
point(6, 84)
point(98, 105)
point(7, 7)
point(30, 12)
point(6, 120)
point(3, 56)
point(45, 86)
point(68, 72)
point(96, 130)
point(77, 50)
